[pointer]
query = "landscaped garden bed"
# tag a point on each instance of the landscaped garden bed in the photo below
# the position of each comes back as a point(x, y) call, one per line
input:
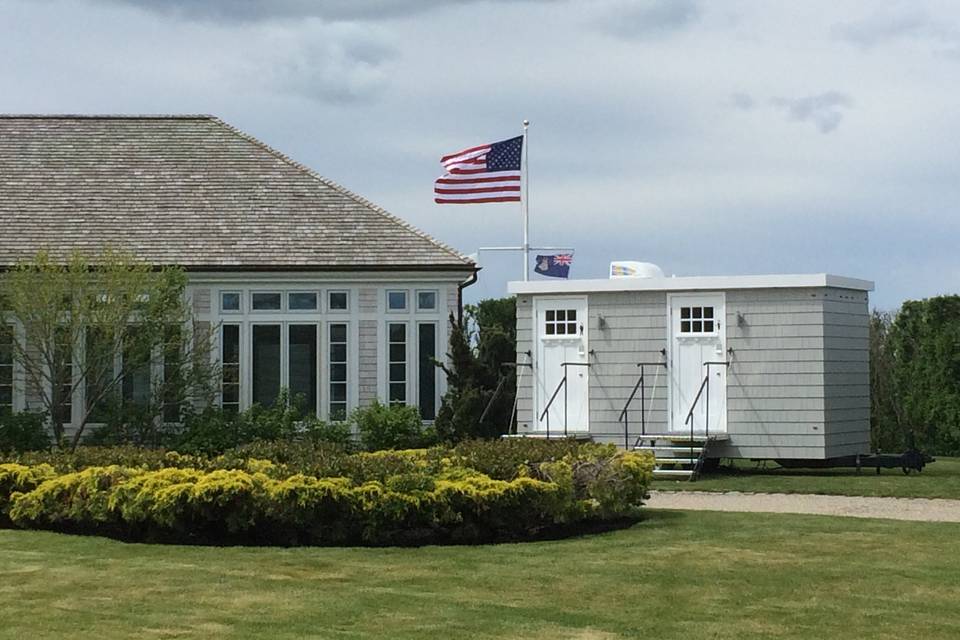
point(291, 493)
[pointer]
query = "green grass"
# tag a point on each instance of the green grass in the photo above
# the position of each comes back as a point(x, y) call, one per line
point(940, 479)
point(675, 575)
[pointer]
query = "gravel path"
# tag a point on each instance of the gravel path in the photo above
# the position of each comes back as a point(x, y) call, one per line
point(920, 509)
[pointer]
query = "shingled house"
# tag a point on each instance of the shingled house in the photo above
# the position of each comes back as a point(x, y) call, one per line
point(309, 286)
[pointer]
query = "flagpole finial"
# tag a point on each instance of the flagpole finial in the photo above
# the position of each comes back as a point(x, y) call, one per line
point(526, 123)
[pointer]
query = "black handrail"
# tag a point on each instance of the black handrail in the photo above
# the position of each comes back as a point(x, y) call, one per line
point(499, 389)
point(625, 413)
point(705, 385)
point(563, 385)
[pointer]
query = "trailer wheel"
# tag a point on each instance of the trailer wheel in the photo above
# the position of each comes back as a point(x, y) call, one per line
point(906, 470)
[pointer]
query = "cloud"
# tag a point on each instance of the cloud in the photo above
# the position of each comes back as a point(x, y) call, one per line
point(247, 11)
point(650, 18)
point(880, 28)
point(824, 110)
point(742, 101)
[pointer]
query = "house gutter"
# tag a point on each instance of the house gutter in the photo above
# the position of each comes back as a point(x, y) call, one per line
point(460, 287)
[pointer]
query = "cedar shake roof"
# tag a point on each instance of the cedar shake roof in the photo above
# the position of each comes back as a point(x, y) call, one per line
point(190, 191)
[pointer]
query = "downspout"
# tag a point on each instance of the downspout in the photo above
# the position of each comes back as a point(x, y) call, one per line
point(460, 287)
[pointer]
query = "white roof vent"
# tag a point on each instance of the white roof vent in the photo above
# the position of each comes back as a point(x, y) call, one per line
point(631, 269)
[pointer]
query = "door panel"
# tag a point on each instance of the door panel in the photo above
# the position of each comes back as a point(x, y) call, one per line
point(562, 337)
point(698, 336)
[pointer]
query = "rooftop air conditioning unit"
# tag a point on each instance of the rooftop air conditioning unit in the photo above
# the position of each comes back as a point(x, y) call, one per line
point(632, 269)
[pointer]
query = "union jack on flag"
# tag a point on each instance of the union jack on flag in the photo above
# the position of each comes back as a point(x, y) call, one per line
point(555, 266)
point(564, 259)
point(488, 173)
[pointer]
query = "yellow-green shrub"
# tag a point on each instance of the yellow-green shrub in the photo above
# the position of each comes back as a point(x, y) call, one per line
point(18, 478)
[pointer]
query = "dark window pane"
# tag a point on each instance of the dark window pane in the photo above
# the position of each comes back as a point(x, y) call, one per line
point(398, 352)
point(338, 411)
point(231, 374)
point(571, 328)
point(684, 312)
point(99, 353)
point(549, 329)
point(6, 374)
point(338, 392)
point(231, 393)
point(338, 373)
point(6, 395)
point(697, 327)
point(571, 314)
point(266, 364)
point(685, 326)
point(302, 301)
point(426, 300)
point(231, 343)
point(708, 326)
point(337, 300)
point(398, 393)
point(398, 333)
point(398, 372)
point(302, 356)
point(230, 301)
point(427, 370)
point(338, 353)
point(397, 300)
point(266, 301)
point(697, 311)
point(551, 315)
point(338, 333)
point(561, 314)
point(136, 368)
point(708, 312)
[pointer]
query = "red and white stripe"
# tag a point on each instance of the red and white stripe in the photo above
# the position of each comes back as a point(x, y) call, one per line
point(468, 181)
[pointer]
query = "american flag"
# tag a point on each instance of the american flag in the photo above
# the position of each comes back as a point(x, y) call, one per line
point(488, 173)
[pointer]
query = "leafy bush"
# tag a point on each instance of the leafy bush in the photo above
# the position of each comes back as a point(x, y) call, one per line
point(391, 427)
point(23, 432)
point(387, 497)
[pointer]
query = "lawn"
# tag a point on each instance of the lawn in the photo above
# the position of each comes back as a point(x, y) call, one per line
point(940, 479)
point(675, 575)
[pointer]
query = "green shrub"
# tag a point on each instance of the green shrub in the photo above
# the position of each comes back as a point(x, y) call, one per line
point(18, 478)
point(23, 432)
point(336, 433)
point(391, 427)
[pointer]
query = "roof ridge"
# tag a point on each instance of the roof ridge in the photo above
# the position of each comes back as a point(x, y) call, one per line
point(107, 116)
point(338, 187)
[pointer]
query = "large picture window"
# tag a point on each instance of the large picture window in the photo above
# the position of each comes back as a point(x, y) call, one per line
point(302, 367)
point(427, 370)
point(100, 360)
point(338, 372)
point(266, 364)
point(136, 369)
point(230, 363)
point(6, 369)
point(397, 363)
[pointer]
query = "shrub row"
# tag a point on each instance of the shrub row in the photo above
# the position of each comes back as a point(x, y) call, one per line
point(402, 497)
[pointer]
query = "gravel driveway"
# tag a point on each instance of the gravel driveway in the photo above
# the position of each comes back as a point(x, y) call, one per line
point(920, 509)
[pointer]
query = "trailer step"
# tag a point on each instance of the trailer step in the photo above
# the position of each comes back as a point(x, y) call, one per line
point(676, 448)
point(662, 461)
point(673, 473)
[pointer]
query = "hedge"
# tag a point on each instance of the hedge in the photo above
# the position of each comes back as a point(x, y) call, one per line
point(399, 497)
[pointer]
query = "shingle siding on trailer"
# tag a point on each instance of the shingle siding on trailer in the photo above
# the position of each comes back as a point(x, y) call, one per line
point(525, 418)
point(847, 372)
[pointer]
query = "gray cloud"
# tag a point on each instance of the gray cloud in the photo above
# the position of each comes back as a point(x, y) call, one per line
point(742, 101)
point(246, 11)
point(824, 110)
point(881, 28)
point(650, 18)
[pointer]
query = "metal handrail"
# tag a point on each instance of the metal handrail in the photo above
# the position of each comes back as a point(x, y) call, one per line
point(625, 413)
point(705, 385)
point(563, 385)
point(503, 381)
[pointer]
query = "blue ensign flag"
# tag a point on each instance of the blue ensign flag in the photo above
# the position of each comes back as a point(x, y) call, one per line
point(555, 266)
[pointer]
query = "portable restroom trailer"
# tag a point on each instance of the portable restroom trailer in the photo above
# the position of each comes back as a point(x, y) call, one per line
point(745, 366)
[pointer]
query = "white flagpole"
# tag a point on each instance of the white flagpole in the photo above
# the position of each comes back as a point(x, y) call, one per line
point(526, 206)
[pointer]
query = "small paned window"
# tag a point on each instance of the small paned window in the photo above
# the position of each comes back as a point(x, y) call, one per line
point(561, 322)
point(426, 300)
point(397, 354)
point(6, 369)
point(697, 320)
point(338, 372)
point(230, 367)
point(397, 300)
point(302, 301)
point(337, 301)
point(266, 301)
point(230, 301)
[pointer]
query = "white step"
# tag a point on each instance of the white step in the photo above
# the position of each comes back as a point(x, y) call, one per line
point(668, 448)
point(682, 473)
point(675, 460)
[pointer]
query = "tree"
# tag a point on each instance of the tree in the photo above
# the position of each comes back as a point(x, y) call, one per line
point(104, 329)
point(887, 431)
point(478, 349)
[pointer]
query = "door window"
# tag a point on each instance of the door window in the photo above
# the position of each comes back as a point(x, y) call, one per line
point(560, 322)
point(697, 320)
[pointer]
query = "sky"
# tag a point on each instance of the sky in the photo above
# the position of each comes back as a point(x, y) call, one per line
point(711, 138)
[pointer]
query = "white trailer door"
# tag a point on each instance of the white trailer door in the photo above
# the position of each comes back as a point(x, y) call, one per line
point(697, 336)
point(561, 329)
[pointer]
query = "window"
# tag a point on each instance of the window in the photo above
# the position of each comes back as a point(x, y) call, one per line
point(172, 373)
point(266, 364)
point(229, 301)
point(397, 363)
point(62, 377)
point(426, 300)
point(230, 363)
point(560, 322)
point(302, 301)
point(337, 301)
point(697, 320)
point(397, 300)
point(338, 371)
point(6, 369)
point(100, 361)
point(266, 301)
point(302, 367)
point(136, 368)
point(427, 374)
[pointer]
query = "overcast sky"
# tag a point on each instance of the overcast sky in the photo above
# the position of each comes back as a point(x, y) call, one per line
point(709, 137)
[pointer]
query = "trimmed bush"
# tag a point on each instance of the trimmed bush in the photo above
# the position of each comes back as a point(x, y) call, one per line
point(23, 432)
point(388, 497)
point(391, 427)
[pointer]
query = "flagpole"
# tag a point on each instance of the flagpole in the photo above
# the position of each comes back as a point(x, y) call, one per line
point(526, 206)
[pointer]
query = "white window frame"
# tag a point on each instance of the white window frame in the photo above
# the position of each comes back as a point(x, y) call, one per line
point(280, 292)
point(286, 298)
point(327, 362)
point(330, 309)
point(220, 295)
point(408, 398)
point(406, 300)
point(436, 300)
